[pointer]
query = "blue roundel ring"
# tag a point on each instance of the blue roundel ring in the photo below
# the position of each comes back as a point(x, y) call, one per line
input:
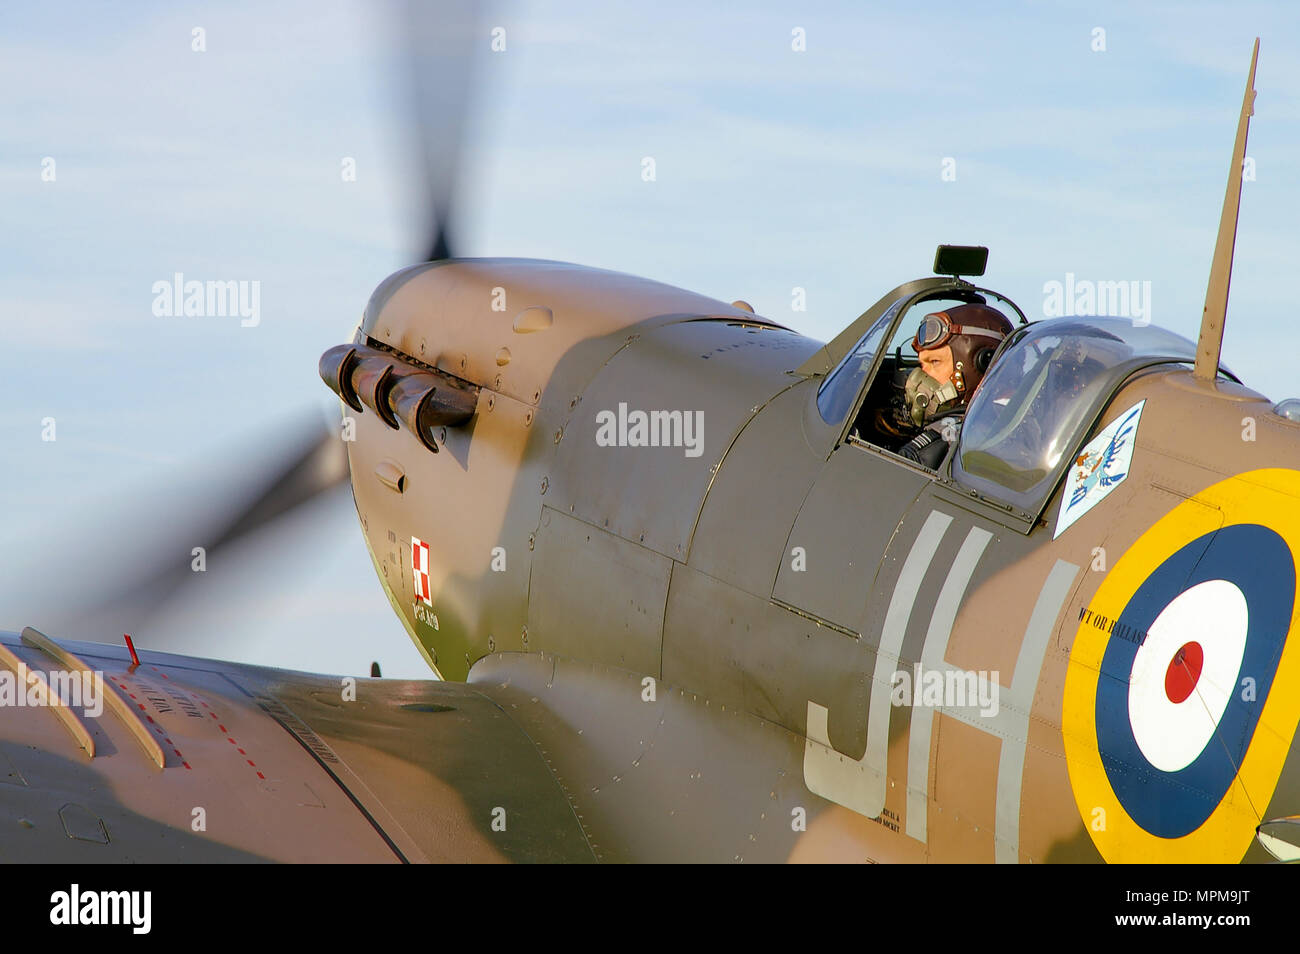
point(1258, 562)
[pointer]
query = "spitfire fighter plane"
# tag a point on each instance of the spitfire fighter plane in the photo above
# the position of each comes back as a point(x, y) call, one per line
point(686, 602)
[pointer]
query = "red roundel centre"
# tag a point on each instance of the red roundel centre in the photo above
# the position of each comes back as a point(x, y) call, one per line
point(1184, 671)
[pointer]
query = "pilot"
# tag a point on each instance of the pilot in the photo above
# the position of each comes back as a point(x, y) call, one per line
point(956, 347)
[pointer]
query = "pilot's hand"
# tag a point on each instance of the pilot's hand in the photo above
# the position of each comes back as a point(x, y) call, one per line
point(931, 446)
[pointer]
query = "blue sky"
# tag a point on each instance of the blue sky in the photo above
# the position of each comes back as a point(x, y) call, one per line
point(775, 169)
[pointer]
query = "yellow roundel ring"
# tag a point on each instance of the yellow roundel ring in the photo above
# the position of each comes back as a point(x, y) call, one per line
point(1182, 693)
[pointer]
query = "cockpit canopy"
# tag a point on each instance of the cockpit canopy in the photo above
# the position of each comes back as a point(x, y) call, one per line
point(1046, 387)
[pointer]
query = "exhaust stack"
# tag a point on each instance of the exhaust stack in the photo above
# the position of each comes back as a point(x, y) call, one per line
point(401, 394)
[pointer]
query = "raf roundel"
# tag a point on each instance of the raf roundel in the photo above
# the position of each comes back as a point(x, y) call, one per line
point(1178, 717)
point(1184, 675)
point(1225, 598)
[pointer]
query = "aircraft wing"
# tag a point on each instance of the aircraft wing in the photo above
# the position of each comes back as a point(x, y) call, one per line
point(183, 759)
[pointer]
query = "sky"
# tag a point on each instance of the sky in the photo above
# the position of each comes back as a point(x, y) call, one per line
point(1090, 140)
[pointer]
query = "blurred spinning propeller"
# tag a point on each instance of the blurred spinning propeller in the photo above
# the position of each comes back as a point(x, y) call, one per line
point(146, 559)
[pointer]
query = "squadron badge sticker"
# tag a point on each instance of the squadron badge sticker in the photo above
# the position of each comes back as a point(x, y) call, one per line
point(1099, 468)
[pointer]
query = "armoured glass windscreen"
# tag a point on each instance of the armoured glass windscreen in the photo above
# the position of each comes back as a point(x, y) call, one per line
point(1042, 393)
point(836, 396)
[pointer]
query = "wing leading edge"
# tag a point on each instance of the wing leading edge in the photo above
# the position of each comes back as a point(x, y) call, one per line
point(261, 765)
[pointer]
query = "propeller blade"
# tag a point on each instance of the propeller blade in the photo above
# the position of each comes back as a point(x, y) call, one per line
point(131, 586)
point(443, 41)
point(146, 559)
point(320, 464)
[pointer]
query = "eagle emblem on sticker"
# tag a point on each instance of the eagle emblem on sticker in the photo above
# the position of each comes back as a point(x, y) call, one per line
point(1100, 467)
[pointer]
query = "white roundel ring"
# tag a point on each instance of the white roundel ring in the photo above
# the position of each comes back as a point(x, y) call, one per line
point(1185, 672)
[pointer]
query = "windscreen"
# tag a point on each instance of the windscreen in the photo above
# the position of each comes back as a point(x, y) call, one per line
point(840, 390)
